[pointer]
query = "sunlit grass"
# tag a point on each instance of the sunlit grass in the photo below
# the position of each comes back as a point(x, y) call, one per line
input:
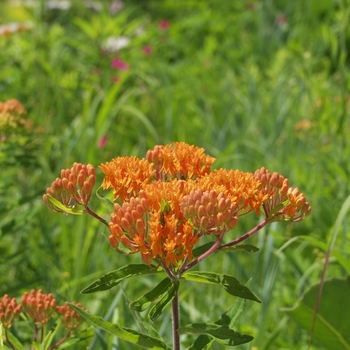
point(235, 79)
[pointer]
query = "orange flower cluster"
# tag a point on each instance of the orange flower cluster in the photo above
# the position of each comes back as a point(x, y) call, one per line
point(71, 320)
point(126, 175)
point(75, 184)
point(9, 310)
point(11, 118)
point(38, 306)
point(168, 200)
point(171, 200)
point(284, 203)
point(208, 211)
point(180, 160)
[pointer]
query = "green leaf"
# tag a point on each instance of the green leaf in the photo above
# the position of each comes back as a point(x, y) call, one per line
point(130, 335)
point(18, 345)
point(229, 283)
point(248, 247)
point(113, 278)
point(145, 300)
point(59, 205)
point(205, 247)
point(1, 342)
point(106, 201)
point(167, 297)
point(332, 320)
point(48, 338)
point(202, 249)
point(228, 318)
point(221, 333)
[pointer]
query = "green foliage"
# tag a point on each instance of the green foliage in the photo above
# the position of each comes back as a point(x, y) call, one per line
point(230, 76)
point(332, 323)
point(134, 337)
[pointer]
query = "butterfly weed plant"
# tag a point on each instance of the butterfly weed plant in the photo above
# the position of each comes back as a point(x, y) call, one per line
point(163, 207)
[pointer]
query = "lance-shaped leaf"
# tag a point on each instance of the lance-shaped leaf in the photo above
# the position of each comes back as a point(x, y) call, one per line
point(165, 299)
point(205, 247)
point(113, 278)
point(145, 300)
point(63, 208)
point(130, 335)
point(248, 247)
point(221, 333)
point(229, 283)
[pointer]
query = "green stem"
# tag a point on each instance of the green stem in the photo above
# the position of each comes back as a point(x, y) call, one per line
point(176, 322)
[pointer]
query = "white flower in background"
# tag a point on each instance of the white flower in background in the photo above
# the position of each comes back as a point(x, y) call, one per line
point(139, 31)
point(114, 44)
point(14, 27)
point(58, 4)
point(115, 7)
point(96, 6)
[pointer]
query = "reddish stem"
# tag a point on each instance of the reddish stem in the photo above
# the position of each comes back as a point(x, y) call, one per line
point(8, 340)
point(176, 321)
point(98, 217)
point(246, 235)
point(61, 341)
point(210, 251)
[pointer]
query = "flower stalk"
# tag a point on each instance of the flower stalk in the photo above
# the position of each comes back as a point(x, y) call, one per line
point(166, 202)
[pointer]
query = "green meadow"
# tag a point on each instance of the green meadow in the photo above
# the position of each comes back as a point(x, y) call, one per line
point(255, 83)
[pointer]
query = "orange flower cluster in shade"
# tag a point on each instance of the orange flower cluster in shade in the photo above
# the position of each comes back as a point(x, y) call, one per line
point(75, 184)
point(40, 308)
point(9, 311)
point(71, 320)
point(11, 118)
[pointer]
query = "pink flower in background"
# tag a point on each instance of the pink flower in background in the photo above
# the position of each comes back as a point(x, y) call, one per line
point(147, 49)
point(103, 141)
point(282, 20)
point(164, 24)
point(117, 63)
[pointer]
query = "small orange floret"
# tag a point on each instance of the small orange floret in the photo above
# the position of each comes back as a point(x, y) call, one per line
point(283, 203)
point(38, 306)
point(180, 160)
point(127, 176)
point(76, 184)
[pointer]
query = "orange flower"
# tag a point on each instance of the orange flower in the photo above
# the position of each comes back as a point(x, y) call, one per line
point(126, 175)
point(38, 306)
point(283, 202)
point(180, 160)
point(75, 184)
point(240, 187)
point(9, 311)
point(71, 320)
point(209, 212)
point(153, 223)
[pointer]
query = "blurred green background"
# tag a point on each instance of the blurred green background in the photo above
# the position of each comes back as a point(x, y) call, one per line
point(256, 83)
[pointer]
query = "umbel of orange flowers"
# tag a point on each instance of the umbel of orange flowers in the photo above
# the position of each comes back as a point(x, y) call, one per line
point(165, 203)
